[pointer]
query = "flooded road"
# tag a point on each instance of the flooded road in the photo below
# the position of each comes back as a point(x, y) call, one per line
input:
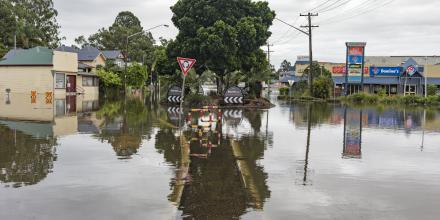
point(128, 159)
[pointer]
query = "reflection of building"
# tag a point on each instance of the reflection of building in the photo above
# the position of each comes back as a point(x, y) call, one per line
point(60, 115)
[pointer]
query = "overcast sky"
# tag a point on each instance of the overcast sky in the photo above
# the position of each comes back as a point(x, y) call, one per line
point(390, 27)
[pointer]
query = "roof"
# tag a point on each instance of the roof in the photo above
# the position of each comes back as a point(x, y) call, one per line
point(88, 53)
point(111, 54)
point(65, 48)
point(382, 80)
point(84, 66)
point(11, 53)
point(37, 56)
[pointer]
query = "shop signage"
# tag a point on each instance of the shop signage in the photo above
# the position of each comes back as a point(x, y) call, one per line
point(411, 70)
point(355, 62)
point(385, 71)
point(341, 69)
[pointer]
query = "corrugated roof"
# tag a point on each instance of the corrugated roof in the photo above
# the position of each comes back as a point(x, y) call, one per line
point(88, 54)
point(12, 53)
point(65, 48)
point(111, 54)
point(38, 56)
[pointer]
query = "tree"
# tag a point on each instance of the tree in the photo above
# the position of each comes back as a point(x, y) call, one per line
point(285, 66)
point(136, 75)
point(109, 79)
point(323, 84)
point(115, 37)
point(224, 36)
point(33, 22)
point(81, 41)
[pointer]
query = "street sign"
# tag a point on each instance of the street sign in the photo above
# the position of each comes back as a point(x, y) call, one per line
point(234, 95)
point(291, 82)
point(174, 94)
point(185, 64)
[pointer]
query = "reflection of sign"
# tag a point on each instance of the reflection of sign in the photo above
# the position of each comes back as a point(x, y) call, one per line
point(291, 82)
point(234, 95)
point(384, 71)
point(352, 133)
point(411, 70)
point(174, 94)
point(173, 115)
point(185, 64)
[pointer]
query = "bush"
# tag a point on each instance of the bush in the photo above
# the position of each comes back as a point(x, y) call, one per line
point(197, 100)
point(322, 87)
point(284, 91)
point(109, 79)
point(432, 90)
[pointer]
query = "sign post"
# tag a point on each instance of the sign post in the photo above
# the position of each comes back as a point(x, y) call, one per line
point(185, 65)
point(291, 82)
point(355, 65)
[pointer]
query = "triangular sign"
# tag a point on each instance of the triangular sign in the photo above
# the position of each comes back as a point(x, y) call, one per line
point(291, 82)
point(186, 64)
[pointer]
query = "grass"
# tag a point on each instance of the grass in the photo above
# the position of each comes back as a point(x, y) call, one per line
point(363, 98)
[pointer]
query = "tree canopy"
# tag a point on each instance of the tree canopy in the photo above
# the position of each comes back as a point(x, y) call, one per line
point(115, 37)
point(224, 36)
point(33, 22)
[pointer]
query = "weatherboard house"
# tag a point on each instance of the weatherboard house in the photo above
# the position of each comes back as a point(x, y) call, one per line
point(39, 71)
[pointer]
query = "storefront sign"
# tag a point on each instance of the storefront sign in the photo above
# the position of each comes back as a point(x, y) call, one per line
point(355, 62)
point(385, 71)
point(341, 69)
point(411, 70)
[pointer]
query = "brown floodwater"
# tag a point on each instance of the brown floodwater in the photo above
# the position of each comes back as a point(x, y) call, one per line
point(134, 159)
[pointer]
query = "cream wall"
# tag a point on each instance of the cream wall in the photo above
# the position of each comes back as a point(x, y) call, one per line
point(433, 71)
point(65, 62)
point(21, 108)
point(23, 79)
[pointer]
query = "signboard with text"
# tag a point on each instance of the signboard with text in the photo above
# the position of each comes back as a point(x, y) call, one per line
point(385, 71)
point(341, 70)
point(355, 62)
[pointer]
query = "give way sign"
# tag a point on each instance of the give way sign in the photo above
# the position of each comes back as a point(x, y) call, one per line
point(185, 64)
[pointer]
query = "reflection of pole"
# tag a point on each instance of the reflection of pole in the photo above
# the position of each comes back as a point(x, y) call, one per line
point(423, 134)
point(306, 162)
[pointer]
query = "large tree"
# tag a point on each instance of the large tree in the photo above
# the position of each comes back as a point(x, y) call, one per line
point(33, 22)
point(224, 36)
point(140, 47)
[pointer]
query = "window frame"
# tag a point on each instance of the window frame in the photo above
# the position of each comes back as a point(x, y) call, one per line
point(56, 80)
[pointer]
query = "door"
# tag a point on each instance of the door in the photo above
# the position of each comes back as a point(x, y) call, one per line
point(71, 83)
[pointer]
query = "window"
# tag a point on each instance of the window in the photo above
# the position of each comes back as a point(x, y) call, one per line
point(60, 81)
point(90, 81)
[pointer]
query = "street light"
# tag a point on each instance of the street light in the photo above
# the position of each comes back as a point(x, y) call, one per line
point(126, 55)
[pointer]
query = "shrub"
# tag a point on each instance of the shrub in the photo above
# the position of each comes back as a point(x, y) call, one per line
point(432, 90)
point(284, 91)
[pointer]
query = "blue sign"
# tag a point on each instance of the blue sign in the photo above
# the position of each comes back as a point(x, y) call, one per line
point(355, 59)
point(385, 71)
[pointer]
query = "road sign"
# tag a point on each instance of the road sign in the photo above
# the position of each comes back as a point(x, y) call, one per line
point(234, 95)
point(291, 82)
point(185, 64)
point(174, 94)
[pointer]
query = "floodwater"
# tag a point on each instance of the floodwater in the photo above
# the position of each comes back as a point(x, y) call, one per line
point(128, 159)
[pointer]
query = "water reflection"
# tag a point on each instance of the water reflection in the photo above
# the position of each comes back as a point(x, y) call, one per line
point(27, 153)
point(221, 164)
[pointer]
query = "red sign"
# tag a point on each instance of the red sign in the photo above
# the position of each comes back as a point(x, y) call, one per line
point(185, 64)
point(358, 51)
point(341, 70)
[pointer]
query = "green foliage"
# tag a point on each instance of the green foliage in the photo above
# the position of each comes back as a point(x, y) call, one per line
point(362, 98)
point(317, 71)
point(34, 23)
point(284, 91)
point(136, 75)
point(109, 79)
point(115, 37)
point(285, 66)
point(322, 87)
point(197, 100)
point(432, 90)
point(382, 93)
point(224, 36)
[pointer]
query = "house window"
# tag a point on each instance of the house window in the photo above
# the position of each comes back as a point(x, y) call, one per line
point(90, 81)
point(60, 81)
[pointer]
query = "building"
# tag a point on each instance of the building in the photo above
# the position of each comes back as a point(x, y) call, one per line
point(392, 74)
point(40, 71)
point(115, 56)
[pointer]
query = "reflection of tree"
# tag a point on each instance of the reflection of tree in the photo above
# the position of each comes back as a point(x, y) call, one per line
point(168, 145)
point(23, 159)
point(321, 113)
point(126, 123)
point(255, 119)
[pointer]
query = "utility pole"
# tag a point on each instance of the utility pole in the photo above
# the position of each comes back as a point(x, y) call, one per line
point(269, 51)
point(310, 26)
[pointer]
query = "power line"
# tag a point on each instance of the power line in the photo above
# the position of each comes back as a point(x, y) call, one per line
point(336, 6)
point(320, 5)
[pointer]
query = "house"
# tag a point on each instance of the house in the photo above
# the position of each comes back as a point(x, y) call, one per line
point(40, 70)
point(11, 53)
point(116, 56)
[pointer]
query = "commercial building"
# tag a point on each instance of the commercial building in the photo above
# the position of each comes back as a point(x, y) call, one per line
point(392, 74)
